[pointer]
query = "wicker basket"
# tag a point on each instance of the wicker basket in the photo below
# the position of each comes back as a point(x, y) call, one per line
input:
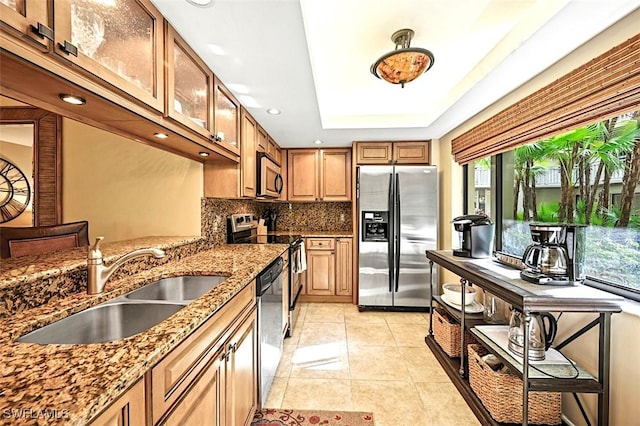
point(447, 333)
point(501, 394)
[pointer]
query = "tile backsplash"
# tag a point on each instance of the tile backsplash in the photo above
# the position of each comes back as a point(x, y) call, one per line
point(296, 216)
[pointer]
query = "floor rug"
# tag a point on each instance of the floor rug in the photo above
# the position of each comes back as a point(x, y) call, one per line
point(282, 417)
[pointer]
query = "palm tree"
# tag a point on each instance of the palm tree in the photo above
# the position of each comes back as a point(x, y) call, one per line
point(631, 175)
point(526, 164)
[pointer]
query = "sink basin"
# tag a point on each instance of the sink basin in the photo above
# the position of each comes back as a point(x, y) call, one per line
point(179, 289)
point(103, 323)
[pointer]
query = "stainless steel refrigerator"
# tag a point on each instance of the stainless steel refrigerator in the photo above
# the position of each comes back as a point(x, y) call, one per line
point(398, 222)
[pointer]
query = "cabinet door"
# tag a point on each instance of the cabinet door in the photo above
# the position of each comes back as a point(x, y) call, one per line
point(189, 86)
point(301, 176)
point(374, 152)
point(335, 178)
point(272, 149)
point(321, 272)
point(242, 373)
point(262, 140)
point(129, 409)
point(204, 402)
point(21, 15)
point(226, 118)
point(120, 43)
point(248, 138)
point(344, 262)
point(411, 152)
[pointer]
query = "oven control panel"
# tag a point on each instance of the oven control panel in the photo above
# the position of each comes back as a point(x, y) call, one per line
point(242, 222)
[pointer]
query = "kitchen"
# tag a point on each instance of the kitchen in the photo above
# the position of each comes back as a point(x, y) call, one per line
point(169, 188)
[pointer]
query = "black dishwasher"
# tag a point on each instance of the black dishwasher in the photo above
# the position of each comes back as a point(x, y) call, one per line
point(270, 308)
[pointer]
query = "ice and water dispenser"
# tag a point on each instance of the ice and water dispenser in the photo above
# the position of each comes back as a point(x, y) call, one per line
point(375, 226)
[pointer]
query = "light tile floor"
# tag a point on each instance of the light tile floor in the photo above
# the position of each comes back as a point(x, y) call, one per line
point(342, 359)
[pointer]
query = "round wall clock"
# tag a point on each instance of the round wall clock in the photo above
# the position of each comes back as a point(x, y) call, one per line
point(15, 192)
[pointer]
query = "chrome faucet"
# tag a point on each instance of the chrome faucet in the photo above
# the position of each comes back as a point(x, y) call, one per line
point(98, 274)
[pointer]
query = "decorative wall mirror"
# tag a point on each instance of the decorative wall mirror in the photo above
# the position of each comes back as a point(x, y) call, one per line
point(45, 176)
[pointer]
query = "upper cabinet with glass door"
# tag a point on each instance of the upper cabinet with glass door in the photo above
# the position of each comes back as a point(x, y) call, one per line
point(119, 41)
point(189, 86)
point(227, 118)
point(29, 19)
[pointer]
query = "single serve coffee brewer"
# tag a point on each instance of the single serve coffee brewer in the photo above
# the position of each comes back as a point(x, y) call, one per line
point(476, 235)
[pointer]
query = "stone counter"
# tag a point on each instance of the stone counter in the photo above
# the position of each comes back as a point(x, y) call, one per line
point(76, 382)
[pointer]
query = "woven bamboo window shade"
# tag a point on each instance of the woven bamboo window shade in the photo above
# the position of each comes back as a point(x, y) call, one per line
point(606, 86)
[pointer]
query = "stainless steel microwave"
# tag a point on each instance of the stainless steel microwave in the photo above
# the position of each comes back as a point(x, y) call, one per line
point(268, 176)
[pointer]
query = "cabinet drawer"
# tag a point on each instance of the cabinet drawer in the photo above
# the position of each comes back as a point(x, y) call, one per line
point(321, 243)
point(172, 376)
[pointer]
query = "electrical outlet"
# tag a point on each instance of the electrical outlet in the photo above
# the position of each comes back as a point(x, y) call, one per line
point(342, 217)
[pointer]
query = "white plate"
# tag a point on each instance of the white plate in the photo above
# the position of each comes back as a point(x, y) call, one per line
point(472, 308)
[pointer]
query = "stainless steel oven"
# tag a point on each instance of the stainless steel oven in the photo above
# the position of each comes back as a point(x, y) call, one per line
point(241, 229)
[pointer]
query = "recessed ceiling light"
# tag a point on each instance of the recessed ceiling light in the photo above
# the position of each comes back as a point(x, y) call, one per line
point(161, 135)
point(73, 99)
point(201, 3)
point(317, 141)
point(203, 154)
point(273, 111)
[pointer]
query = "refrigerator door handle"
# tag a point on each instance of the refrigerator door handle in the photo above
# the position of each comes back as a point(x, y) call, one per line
point(396, 232)
point(391, 236)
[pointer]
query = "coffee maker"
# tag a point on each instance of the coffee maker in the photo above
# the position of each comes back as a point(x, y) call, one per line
point(556, 256)
point(476, 235)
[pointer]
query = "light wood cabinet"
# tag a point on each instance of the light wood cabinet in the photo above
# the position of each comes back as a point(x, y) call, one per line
point(344, 267)
point(29, 20)
point(226, 118)
point(241, 373)
point(262, 139)
point(177, 374)
point(204, 403)
point(405, 152)
point(121, 45)
point(321, 272)
point(248, 141)
point(319, 174)
point(329, 267)
point(127, 410)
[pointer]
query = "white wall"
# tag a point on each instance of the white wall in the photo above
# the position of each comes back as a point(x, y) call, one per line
point(126, 189)
point(625, 344)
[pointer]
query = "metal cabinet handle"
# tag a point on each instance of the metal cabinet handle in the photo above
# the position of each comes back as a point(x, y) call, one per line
point(42, 31)
point(68, 48)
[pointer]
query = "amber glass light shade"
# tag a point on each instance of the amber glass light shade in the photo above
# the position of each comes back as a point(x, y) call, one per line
point(404, 64)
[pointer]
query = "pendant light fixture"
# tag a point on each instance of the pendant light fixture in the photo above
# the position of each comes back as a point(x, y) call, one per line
point(405, 63)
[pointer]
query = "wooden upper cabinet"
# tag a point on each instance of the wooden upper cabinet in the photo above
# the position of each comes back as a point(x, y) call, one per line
point(262, 140)
point(248, 144)
point(302, 171)
point(226, 118)
point(409, 152)
point(119, 44)
point(273, 150)
point(29, 20)
point(335, 181)
point(374, 153)
point(319, 175)
point(189, 86)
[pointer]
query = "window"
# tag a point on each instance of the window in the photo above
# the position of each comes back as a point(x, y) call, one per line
point(589, 176)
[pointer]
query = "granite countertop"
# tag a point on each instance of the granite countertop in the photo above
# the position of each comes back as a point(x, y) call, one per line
point(70, 384)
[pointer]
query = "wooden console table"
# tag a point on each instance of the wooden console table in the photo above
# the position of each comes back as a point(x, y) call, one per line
point(505, 283)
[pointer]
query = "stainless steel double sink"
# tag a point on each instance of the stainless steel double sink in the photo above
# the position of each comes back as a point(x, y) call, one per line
point(126, 315)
